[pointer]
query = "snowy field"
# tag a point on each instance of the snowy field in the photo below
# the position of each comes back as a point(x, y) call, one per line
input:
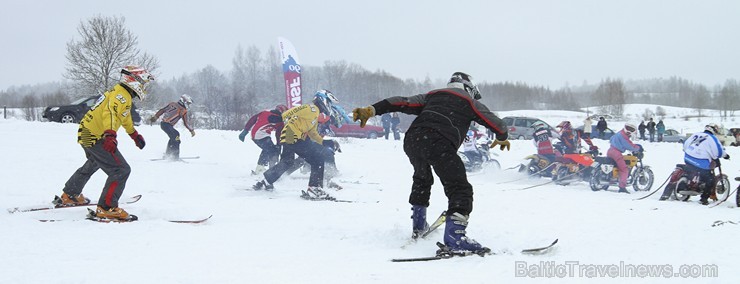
point(276, 237)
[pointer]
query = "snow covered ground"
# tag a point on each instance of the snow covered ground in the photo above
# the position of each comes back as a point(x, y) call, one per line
point(276, 237)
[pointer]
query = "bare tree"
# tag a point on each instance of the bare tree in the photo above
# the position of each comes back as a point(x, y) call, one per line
point(94, 61)
point(612, 96)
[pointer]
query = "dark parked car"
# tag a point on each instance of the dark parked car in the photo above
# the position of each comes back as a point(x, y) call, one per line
point(73, 112)
point(521, 127)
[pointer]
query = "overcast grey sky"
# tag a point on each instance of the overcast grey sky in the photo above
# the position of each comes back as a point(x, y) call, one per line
point(548, 43)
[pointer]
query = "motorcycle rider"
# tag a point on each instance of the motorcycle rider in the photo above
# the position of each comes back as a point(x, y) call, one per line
point(571, 138)
point(621, 142)
point(699, 151)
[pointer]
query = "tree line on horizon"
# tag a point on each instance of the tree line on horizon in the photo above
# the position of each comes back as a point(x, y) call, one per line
point(225, 99)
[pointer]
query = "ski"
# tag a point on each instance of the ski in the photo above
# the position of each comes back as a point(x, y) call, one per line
point(540, 249)
point(445, 253)
point(91, 216)
point(307, 196)
point(130, 200)
point(181, 159)
point(191, 221)
point(440, 220)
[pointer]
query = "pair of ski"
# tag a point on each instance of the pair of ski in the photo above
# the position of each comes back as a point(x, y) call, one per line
point(444, 252)
point(181, 159)
point(91, 214)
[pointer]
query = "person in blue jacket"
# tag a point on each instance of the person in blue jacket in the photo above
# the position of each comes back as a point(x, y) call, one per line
point(700, 150)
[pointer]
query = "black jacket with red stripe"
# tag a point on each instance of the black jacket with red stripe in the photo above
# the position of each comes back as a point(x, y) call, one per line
point(448, 111)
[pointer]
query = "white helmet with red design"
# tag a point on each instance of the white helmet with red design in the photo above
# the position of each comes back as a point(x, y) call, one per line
point(137, 79)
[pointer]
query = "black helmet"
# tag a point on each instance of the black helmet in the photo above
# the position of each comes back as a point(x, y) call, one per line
point(464, 81)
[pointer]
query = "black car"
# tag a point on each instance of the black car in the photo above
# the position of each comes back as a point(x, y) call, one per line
point(73, 112)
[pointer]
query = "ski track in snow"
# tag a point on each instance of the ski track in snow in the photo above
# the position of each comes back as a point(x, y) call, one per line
point(276, 237)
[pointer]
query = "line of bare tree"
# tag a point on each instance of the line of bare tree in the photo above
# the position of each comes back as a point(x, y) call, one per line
point(224, 99)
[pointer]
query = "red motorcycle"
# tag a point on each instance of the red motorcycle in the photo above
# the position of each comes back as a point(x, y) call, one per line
point(573, 167)
point(685, 183)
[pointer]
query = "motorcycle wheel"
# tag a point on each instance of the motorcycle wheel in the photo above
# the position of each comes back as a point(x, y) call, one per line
point(595, 181)
point(643, 179)
point(683, 182)
point(722, 189)
point(561, 175)
point(492, 164)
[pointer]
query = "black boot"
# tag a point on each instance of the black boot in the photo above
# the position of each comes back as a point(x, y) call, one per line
point(623, 190)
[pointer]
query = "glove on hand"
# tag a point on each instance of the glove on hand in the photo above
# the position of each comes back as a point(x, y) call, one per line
point(138, 139)
point(363, 114)
point(192, 133)
point(243, 134)
point(504, 144)
point(153, 119)
point(110, 143)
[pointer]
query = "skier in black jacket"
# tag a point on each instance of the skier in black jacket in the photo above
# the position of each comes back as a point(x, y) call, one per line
point(432, 140)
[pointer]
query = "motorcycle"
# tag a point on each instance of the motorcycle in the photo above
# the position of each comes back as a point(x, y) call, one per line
point(605, 173)
point(485, 162)
point(573, 167)
point(685, 183)
point(537, 165)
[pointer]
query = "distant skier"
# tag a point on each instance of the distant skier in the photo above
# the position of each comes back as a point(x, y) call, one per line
point(97, 136)
point(432, 140)
point(261, 125)
point(171, 114)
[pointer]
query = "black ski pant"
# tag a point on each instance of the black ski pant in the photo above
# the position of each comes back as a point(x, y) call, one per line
point(427, 150)
point(311, 152)
point(113, 164)
point(270, 151)
point(173, 146)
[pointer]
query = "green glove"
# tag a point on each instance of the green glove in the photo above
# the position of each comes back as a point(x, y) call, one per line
point(363, 114)
point(504, 144)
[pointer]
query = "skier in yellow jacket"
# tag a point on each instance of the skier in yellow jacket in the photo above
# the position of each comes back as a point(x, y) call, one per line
point(300, 136)
point(97, 136)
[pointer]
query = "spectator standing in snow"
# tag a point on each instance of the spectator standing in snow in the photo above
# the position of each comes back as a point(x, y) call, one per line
point(431, 143)
point(641, 128)
point(660, 127)
point(651, 129)
point(395, 121)
point(587, 126)
point(601, 126)
point(385, 119)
